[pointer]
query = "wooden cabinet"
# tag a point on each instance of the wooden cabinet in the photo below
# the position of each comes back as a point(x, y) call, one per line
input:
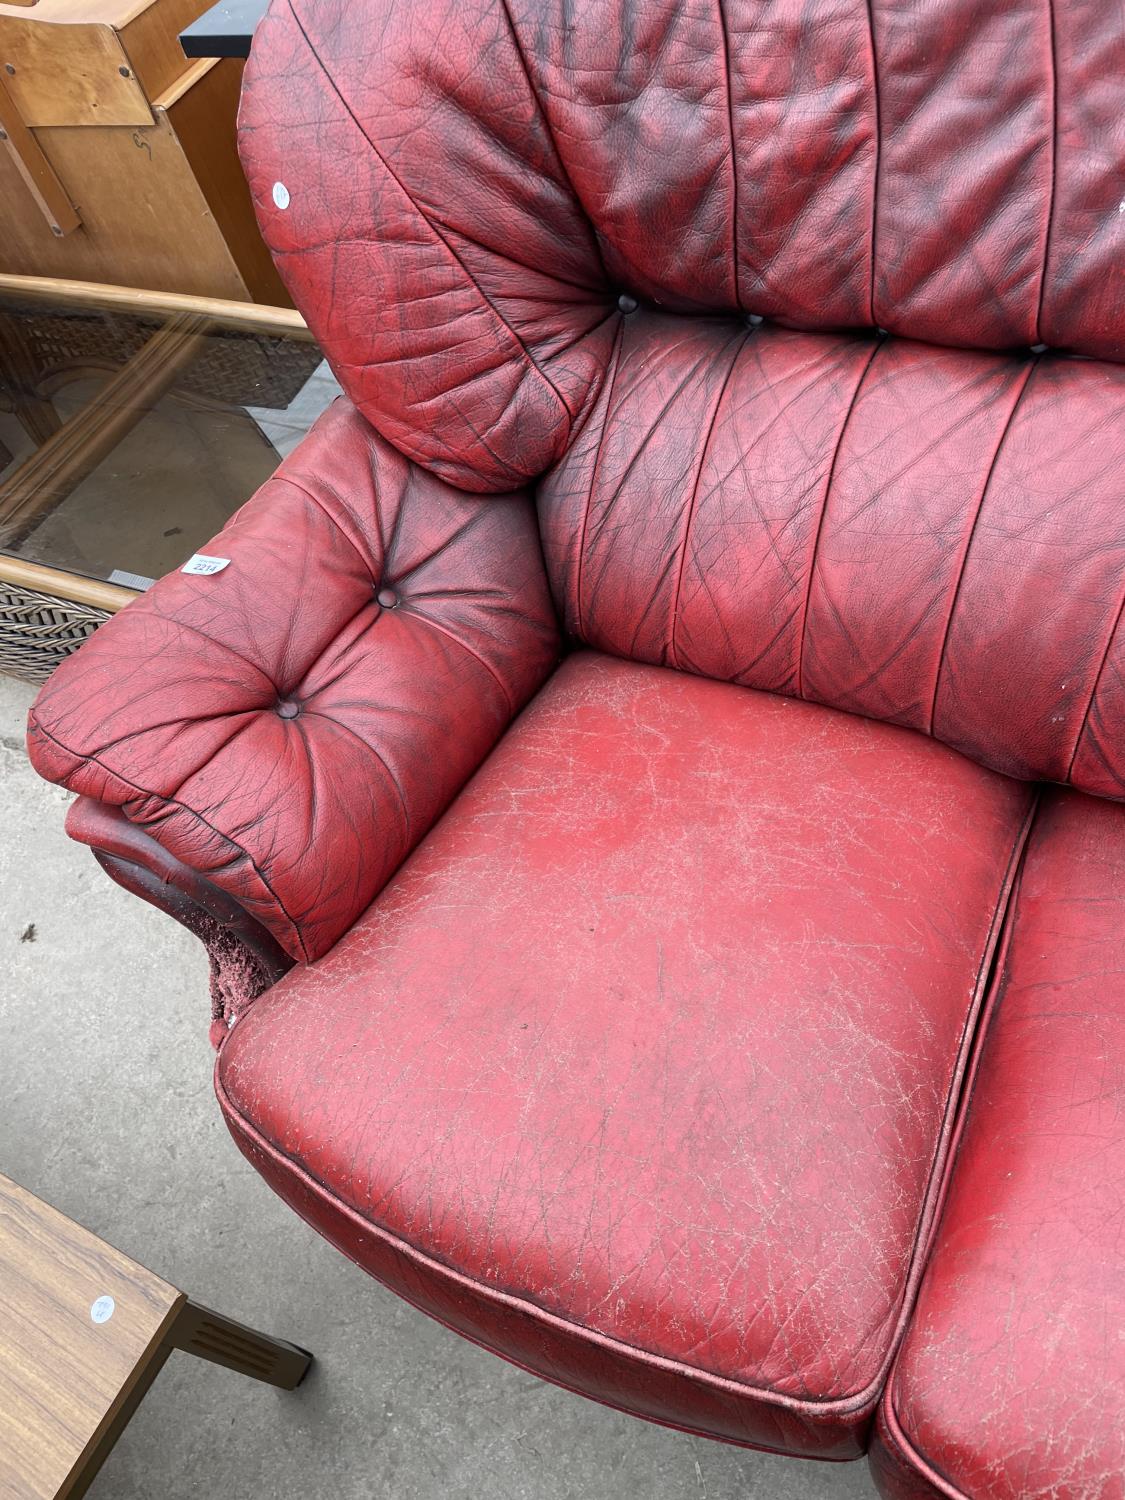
point(117, 154)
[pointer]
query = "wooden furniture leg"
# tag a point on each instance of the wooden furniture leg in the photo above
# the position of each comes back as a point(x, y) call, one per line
point(84, 1332)
point(40, 177)
point(209, 1335)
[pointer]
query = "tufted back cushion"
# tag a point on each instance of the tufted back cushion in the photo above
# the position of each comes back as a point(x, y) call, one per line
point(469, 199)
point(928, 536)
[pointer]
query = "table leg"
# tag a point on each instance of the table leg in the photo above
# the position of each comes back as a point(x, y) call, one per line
point(210, 1335)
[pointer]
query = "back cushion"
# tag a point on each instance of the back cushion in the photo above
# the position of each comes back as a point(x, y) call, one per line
point(927, 536)
point(468, 199)
point(469, 186)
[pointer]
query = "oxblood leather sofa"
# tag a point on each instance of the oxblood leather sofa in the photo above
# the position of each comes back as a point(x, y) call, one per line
point(713, 583)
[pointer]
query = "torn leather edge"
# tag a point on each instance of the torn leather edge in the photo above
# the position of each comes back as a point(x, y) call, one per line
point(245, 959)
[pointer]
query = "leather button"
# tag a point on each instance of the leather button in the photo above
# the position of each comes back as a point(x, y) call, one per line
point(288, 710)
point(387, 598)
point(627, 304)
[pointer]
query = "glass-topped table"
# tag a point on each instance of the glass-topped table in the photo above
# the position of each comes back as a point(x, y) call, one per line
point(132, 425)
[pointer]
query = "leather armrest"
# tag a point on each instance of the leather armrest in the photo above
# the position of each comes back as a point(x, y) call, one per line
point(291, 726)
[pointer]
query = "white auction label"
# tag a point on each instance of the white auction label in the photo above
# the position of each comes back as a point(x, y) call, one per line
point(202, 564)
point(102, 1309)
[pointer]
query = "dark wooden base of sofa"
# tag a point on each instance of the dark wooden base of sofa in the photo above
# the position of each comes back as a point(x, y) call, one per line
point(245, 959)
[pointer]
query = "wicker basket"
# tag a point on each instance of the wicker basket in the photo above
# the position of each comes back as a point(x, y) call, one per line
point(38, 631)
point(238, 368)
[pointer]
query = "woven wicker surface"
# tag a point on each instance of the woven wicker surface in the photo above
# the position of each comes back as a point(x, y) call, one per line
point(241, 369)
point(38, 631)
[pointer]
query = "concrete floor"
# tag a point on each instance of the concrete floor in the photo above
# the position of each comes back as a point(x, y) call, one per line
point(106, 1111)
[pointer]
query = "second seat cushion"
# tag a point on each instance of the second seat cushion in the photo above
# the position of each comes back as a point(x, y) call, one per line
point(642, 1071)
point(1011, 1381)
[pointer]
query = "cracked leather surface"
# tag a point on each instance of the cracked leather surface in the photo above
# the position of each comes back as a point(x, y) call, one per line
point(873, 524)
point(668, 1017)
point(471, 184)
point(644, 1070)
point(1011, 1382)
point(276, 727)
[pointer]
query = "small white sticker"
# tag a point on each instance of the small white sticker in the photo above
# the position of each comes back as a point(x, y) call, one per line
point(102, 1310)
point(200, 563)
point(281, 195)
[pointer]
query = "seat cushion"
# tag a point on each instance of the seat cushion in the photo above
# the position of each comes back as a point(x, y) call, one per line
point(643, 1070)
point(1011, 1381)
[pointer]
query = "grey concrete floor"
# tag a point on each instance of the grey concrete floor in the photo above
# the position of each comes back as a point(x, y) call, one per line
point(106, 1111)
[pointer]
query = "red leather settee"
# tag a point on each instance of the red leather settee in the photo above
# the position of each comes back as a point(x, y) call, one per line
point(712, 581)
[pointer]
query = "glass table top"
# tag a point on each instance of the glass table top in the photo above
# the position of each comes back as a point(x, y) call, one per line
point(130, 430)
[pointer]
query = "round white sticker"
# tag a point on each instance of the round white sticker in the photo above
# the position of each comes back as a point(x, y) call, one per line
point(281, 195)
point(102, 1309)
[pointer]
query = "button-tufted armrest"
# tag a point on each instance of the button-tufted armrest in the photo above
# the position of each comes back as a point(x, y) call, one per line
point(292, 725)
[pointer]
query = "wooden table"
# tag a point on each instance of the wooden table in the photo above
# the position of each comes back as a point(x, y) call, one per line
point(84, 1331)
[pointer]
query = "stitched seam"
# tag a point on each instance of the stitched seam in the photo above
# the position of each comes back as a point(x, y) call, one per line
point(1001, 924)
point(969, 1051)
point(541, 108)
point(457, 641)
point(914, 1456)
point(155, 725)
point(317, 713)
point(587, 288)
point(695, 493)
point(733, 156)
point(497, 314)
point(441, 452)
point(584, 333)
point(842, 1405)
point(92, 760)
point(1094, 689)
point(365, 561)
point(303, 489)
point(824, 512)
point(389, 543)
point(618, 352)
point(1054, 167)
point(219, 646)
point(972, 533)
point(878, 150)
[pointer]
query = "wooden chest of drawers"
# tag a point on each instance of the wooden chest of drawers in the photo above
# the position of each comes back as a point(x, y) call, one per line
point(117, 153)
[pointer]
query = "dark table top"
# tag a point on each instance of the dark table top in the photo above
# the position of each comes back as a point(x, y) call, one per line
point(224, 30)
